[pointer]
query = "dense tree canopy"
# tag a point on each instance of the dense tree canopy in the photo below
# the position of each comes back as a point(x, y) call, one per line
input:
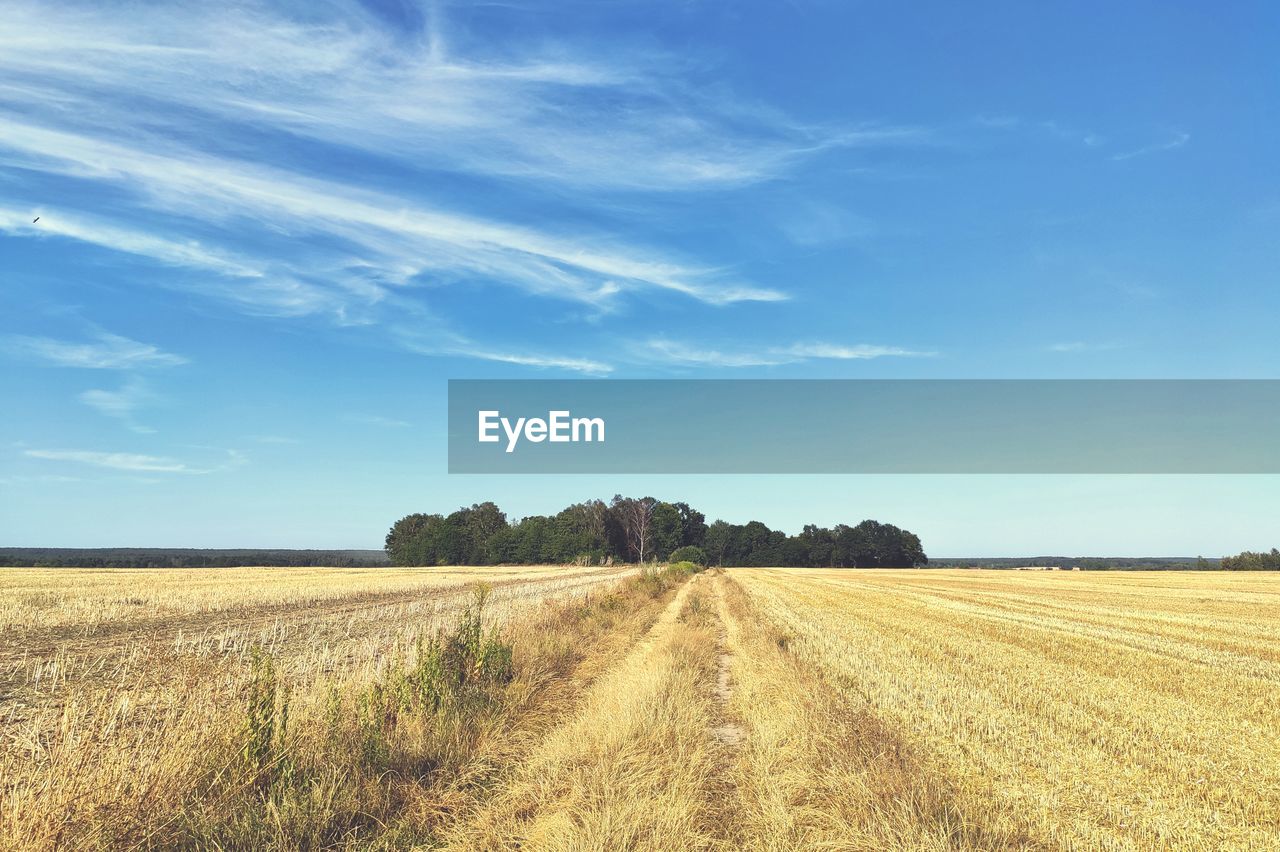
point(639, 529)
point(1250, 561)
point(689, 553)
point(183, 557)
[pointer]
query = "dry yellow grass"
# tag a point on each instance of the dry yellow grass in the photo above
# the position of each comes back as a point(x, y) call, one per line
point(631, 769)
point(924, 710)
point(1076, 710)
point(817, 771)
point(759, 709)
point(132, 732)
point(93, 599)
point(66, 629)
point(711, 734)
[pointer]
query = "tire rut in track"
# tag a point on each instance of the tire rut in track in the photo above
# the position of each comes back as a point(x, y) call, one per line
point(728, 732)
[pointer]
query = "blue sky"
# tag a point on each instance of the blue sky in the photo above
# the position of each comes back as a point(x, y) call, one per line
point(269, 233)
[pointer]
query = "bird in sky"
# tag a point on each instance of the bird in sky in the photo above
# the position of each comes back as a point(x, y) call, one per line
point(37, 219)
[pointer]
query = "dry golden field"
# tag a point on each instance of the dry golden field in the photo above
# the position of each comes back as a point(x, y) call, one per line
point(1069, 710)
point(124, 695)
point(588, 709)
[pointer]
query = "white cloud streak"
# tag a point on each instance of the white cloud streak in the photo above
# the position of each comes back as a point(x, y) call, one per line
point(858, 352)
point(577, 365)
point(90, 230)
point(181, 125)
point(120, 404)
point(273, 439)
point(110, 352)
point(1178, 140)
point(445, 343)
point(134, 462)
point(671, 352)
point(83, 76)
point(1081, 346)
point(377, 420)
point(583, 117)
point(399, 236)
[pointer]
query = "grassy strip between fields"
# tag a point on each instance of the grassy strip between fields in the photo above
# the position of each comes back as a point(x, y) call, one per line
point(633, 768)
point(335, 763)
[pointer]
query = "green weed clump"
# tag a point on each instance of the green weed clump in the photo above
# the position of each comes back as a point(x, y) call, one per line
point(654, 580)
point(266, 726)
point(457, 673)
point(421, 719)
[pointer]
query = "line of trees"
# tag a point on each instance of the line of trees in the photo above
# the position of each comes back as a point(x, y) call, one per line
point(639, 529)
point(181, 557)
point(1250, 561)
point(1084, 563)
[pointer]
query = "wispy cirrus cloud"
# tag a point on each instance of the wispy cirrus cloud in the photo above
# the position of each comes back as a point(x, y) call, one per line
point(397, 237)
point(856, 352)
point(528, 359)
point(1176, 141)
point(180, 126)
point(106, 352)
point(134, 462)
point(48, 478)
point(90, 229)
point(1082, 346)
point(447, 343)
point(1088, 138)
point(121, 403)
point(1053, 128)
point(212, 460)
point(672, 352)
point(376, 420)
point(342, 76)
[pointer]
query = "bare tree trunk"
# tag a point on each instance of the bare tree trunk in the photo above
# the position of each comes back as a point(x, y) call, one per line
point(635, 515)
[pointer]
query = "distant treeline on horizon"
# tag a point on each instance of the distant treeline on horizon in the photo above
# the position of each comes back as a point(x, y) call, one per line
point(176, 557)
point(640, 529)
point(184, 557)
point(1086, 563)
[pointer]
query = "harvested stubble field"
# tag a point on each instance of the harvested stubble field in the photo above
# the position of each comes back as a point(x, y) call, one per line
point(584, 709)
